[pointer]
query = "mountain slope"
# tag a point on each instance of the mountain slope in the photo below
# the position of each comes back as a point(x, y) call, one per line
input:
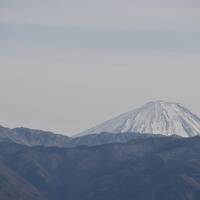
point(164, 168)
point(7, 134)
point(32, 137)
point(158, 117)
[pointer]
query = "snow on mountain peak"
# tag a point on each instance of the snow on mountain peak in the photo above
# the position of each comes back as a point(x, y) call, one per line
point(159, 117)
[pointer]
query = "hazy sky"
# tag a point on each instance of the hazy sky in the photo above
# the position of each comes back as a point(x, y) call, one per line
point(66, 65)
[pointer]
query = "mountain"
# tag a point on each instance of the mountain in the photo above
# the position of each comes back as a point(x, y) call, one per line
point(33, 137)
point(166, 168)
point(159, 117)
point(153, 119)
point(107, 138)
point(7, 134)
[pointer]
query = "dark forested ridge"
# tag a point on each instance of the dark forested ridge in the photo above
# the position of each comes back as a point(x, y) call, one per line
point(32, 137)
point(165, 168)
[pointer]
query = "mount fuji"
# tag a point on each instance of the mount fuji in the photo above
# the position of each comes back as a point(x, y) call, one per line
point(159, 117)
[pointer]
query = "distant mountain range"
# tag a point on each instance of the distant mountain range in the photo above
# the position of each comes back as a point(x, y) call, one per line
point(153, 119)
point(166, 168)
point(31, 137)
point(149, 153)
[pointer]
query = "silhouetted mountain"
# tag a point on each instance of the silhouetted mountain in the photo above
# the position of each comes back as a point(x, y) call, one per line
point(166, 168)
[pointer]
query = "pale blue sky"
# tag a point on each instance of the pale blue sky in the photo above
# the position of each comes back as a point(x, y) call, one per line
point(68, 65)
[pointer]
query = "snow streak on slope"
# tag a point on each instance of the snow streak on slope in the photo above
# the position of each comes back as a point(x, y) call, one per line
point(158, 117)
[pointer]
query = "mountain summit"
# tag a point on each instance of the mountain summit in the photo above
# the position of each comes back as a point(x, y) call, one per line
point(159, 117)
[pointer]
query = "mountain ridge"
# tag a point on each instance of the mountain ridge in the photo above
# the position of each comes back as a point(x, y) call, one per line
point(164, 168)
point(152, 119)
point(35, 137)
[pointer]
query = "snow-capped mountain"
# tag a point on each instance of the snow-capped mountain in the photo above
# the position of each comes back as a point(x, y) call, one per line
point(159, 117)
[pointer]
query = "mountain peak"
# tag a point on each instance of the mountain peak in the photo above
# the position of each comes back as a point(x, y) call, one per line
point(155, 117)
point(162, 102)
